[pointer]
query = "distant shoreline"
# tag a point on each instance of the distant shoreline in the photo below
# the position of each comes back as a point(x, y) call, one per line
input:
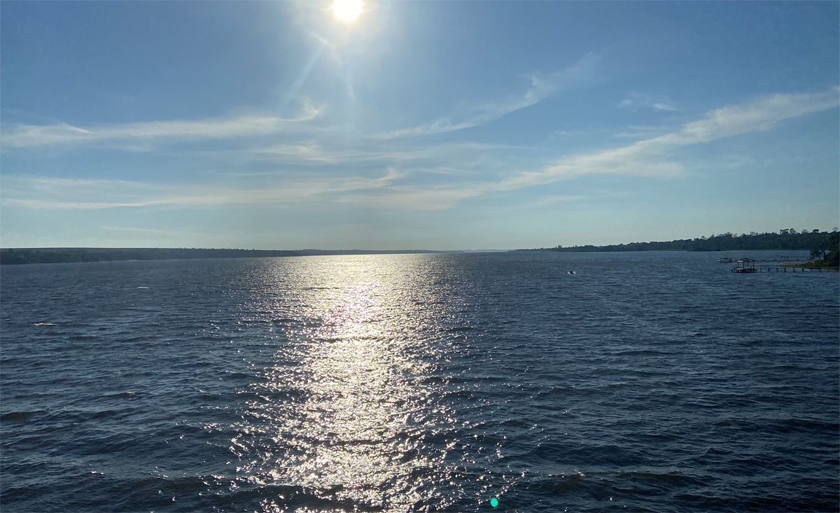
point(821, 244)
point(785, 240)
point(25, 256)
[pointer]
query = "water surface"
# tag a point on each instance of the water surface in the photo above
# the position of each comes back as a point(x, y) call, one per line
point(644, 382)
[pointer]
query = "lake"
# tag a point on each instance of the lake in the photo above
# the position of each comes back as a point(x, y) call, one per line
point(435, 382)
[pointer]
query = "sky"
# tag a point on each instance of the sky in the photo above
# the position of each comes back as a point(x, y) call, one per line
point(417, 125)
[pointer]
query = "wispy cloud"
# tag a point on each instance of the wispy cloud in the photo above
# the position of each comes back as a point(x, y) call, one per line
point(70, 194)
point(141, 231)
point(315, 153)
point(650, 157)
point(740, 161)
point(540, 88)
point(760, 115)
point(636, 101)
point(555, 199)
point(414, 198)
point(44, 204)
point(320, 155)
point(642, 131)
point(25, 136)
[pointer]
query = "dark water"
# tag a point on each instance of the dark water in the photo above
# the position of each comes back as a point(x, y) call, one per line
point(645, 382)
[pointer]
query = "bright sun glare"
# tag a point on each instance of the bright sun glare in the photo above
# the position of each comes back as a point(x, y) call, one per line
point(347, 10)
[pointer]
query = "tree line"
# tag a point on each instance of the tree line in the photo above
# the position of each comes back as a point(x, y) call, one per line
point(832, 258)
point(70, 255)
point(787, 239)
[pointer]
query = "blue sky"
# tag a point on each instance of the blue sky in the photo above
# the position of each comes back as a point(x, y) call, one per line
point(440, 125)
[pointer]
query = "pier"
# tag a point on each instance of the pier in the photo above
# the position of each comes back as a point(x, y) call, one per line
point(778, 269)
point(785, 259)
point(747, 265)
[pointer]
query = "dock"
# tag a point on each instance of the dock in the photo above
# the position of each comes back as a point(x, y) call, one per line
point(777, 269)
point(747, 266)
point(785, 259)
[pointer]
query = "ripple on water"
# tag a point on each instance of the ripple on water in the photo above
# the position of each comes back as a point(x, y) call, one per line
point(419, 383)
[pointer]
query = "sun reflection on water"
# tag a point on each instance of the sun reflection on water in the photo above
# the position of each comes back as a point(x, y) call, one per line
point(350, 412)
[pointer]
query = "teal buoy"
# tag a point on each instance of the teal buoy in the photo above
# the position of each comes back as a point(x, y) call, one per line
point(494, 502)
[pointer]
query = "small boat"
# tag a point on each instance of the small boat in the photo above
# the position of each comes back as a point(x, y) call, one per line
point(725, 260)
point(571, 272)
point(745, 265)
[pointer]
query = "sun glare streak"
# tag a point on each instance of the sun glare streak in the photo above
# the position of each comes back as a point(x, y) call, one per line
point(369, 422)
point(354, 413)
point(292, 93)
point(347, 10)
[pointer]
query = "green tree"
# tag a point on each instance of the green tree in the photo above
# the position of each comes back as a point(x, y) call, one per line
point(833, 258)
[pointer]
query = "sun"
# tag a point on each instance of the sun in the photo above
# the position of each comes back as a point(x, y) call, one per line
point(347, 10)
